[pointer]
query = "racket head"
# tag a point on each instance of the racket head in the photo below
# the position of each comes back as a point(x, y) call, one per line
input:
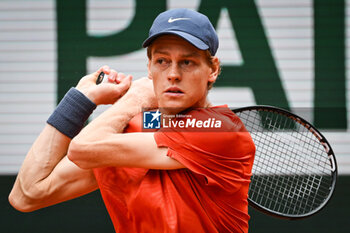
point(295, 170)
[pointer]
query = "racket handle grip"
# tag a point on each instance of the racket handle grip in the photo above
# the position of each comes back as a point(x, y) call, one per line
point(100, 78)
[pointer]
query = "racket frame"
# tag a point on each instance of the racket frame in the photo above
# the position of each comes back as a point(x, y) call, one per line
point(320, 138)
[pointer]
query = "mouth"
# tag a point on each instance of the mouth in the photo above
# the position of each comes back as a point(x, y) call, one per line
point(174, 91)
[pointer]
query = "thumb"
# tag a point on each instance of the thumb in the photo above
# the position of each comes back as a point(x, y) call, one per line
point(123, 86)
point(125, 83)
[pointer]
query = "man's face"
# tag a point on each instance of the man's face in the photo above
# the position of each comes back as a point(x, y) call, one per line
point(180, 74)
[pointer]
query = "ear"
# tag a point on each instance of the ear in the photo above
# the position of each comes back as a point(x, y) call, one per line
point(215, 69)
point(149, 69)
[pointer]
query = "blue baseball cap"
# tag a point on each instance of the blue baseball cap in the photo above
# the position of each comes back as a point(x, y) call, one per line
point(190, 25)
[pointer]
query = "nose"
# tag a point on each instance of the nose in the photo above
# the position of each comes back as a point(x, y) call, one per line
point(174, 73)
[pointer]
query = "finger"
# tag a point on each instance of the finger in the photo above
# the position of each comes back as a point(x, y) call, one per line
point(127, 80)
point(125, 83)
point(112, 77)
point(120, 77)
point(105, 69)
point(119, 90)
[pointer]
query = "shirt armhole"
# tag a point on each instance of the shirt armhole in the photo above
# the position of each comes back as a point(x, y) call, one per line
point(159, 138)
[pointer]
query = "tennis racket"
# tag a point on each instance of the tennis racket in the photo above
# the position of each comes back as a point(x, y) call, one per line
point(295, 170)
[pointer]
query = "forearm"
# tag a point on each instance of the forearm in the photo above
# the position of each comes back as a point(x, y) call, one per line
point(52, 144)
point(114, 119)
point(102, 143)
point(34, 180)
point(48, 149)
point(88, 149)
point(47, 176)
point(46, 152)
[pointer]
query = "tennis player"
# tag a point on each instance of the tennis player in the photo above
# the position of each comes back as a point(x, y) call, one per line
point(170, 180)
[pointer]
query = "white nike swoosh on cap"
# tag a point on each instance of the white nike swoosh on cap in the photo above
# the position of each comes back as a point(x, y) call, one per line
point(177, 19)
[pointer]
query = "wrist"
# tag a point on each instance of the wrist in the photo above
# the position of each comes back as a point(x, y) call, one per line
point(71, 113)
point(127, 106)
point(140, 101)
point(88, 93)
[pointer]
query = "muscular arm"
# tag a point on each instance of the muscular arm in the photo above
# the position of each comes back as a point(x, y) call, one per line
point(102, 143)
point(47, 176)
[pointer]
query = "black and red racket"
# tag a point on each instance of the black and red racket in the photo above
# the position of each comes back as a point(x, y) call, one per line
point(295, 170)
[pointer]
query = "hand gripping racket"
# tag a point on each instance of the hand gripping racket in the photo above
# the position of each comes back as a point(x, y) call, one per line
point(295, 170)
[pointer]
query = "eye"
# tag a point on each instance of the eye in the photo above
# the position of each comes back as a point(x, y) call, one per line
point(160, 61)
point(187, 62)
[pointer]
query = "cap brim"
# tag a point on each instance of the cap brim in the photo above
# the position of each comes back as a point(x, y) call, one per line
point(188, 37)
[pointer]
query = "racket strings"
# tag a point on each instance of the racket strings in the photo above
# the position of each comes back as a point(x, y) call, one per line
point(292, 172)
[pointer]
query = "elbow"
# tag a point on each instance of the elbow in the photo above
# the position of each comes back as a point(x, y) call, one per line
point(78, 153)
point(18, 206)
point(22, 203)
point(73, 152)
point(26, 197)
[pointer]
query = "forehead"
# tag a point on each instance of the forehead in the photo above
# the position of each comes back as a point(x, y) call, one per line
point(174, 44)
